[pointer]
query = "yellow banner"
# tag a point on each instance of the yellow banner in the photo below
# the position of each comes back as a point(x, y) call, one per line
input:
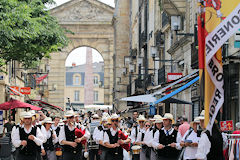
point(222, 19)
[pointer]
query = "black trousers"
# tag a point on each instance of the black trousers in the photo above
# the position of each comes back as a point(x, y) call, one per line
point(24, 157)
point(94, 153)
point(135, 156)
point(114, 156)
point(72, 156)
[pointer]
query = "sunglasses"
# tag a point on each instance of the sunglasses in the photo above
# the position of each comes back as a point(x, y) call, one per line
point(114, 120)
point(70, 117)
point(147, 126)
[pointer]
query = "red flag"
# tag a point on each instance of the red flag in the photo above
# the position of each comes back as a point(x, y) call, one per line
point(40, 79)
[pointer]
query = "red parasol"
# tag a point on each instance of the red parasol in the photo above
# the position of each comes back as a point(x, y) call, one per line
point(13, 103)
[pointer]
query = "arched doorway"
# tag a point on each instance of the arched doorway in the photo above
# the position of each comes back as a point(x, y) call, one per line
point(84, 78)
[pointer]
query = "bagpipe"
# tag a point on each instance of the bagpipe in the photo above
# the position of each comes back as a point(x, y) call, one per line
point(122, 136)
point(79, 133)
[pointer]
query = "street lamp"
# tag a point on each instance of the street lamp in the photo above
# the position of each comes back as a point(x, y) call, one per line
point(132, 68)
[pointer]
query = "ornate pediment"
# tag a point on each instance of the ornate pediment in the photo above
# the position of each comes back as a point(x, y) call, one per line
point(83, 11)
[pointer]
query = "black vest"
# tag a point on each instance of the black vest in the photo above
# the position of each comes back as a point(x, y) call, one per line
point(167, 151)
point(70, 136)
point(100, 128)
point(49, 144)
point(31, 148)
point(57, 131)
point(216, 150)
point(113, 140)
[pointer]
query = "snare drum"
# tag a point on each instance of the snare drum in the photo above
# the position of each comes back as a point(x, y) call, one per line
point(59, 151)
point(136, 149)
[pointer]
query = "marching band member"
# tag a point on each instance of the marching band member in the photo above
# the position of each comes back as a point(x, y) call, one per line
point(114, 139)
point(137, 129)
point(27, 139)
point(93, 146)
point(48, 149)
point(71, 144)
point(144, 139)
point(158, 126)
point(106, 125)
point(165, 140)
point(55, 126)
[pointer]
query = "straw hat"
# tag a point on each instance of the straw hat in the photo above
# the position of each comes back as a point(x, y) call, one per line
point(202, 115)
point(141, 118)
point(160, 120)
point(196, 120)
point(104, 118)
point(114, 116)
point(64, 120)
point(95, 116)
point(26, 115)
point(168, 116)
point(61, 122)
point(47, 120)
point(69, 113)
point(32, 112)
point(157, 117)
point(21, 115)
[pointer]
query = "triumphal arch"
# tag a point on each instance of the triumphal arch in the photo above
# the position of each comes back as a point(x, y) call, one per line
point(91, 23)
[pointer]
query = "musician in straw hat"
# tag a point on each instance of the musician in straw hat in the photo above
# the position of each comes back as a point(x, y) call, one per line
point(27, 138)
point(158, 124)
point(135, 130)
point(114, 139)
point(165, 140)
point(48, 149)
point(106, 125)
point(71, 144)
point(144, 140)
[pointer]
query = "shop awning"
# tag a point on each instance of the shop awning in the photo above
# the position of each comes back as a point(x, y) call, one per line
point(151, 98)
point(177, 90)
point(148, 98)
point(45, 104)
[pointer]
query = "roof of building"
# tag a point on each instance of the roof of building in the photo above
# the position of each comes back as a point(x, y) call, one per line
point(97, 67)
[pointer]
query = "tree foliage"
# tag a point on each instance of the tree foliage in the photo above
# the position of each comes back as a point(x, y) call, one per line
point(28, 32)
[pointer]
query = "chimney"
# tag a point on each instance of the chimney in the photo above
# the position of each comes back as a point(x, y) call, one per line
point(73, 64)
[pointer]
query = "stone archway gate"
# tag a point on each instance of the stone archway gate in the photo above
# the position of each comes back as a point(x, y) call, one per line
point(91, 22)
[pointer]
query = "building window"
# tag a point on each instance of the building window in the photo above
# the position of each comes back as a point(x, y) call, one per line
point(95, 96)
point(76, 95)
point(95, 80)
point(76, 79)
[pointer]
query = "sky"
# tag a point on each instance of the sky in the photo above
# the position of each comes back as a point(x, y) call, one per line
point(78, 55)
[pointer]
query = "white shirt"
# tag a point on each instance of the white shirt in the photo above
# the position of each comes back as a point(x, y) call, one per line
point(106, 137)
point(54, 127)
point(204, 146)
point(190, 152)
point(133, 133)
point(48, 135)
point(147, 137)
point(16, 136)
point(62, 135)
